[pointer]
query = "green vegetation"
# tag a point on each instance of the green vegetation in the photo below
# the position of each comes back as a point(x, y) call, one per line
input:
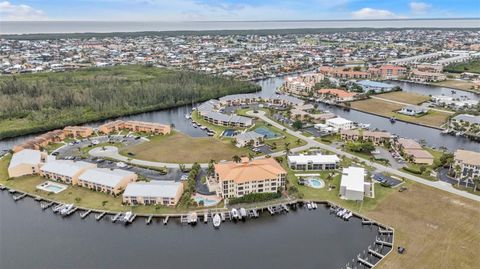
point(186, 199)
point(472, 66)
point(255, 198)
point(44, 101)
point(325, 84)
point(360, 146)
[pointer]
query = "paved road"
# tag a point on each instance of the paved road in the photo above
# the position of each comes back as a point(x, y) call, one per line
point(380, 168)
point(406, 104)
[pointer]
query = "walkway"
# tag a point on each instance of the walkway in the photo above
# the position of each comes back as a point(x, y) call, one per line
point(380, 168)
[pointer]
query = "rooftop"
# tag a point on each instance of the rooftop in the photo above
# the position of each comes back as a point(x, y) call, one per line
point(153, 189)
point(105, 176)
point(468, 157)
point(353, 178)
point(318, 159)
point(65, 167)
point(247, 171)
point(26, 156)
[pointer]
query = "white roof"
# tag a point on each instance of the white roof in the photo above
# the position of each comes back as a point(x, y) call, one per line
point(26, 156)
point(317, 159)
point(105, 176)
point(353, 178)
point(65, 168)
point(247, 136)
point(152, 189)
point(339, 121)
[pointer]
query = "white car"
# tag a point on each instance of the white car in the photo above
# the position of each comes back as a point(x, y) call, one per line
point(121, 164)
point(95, 142)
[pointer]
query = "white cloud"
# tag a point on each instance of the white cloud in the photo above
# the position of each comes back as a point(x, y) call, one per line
point(371, 13)
point(419, 7)
point(11, 12)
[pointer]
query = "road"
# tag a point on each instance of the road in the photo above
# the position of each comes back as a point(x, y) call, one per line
point(380, 168)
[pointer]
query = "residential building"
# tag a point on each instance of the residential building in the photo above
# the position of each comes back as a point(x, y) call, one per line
point(336, 94)
point(412, 110)
point(106, 180)
point(353, 185)
point(413, 151)
point(64, 170)
point(378, 87)
point(391, 71)
point(469, 163)
point(244, 139)
point(376, 137)
point(158, 192)
point(313, 162)
point(343, 73)
point(420, 76)
point(78, 131)
point(41, 141)
point(340, 124)
point(135, 126)
point(26, 162)
point(232, 179)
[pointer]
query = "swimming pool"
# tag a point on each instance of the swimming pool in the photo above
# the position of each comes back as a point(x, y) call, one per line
point(206, 201)
point(266, 132)
point(316, 183)
point(50, 186)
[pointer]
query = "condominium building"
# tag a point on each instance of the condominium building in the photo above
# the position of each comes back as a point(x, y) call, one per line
point(376, 137)
point(313, 162)
point(344, 73)
point(26, 162)
point(160, 192)
point(232, 179)
point(251, 137)
point(135, 126)
point(78, 131)
point(64, 170)
point(420, 76)
point(469, 163)
point(340, 124)
point(106, 180)
point(41, 141)
point(413, 151)
point(353, 185)
point(378, 87)
point(391, 71)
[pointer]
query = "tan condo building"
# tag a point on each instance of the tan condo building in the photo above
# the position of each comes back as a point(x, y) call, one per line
point(26, 162)
point(106, 180)
point(78, 131)
point(65, 171)
point(135, 126)
point(376, 138)
point(160, 192)
point(469, 163)
point(233, 179)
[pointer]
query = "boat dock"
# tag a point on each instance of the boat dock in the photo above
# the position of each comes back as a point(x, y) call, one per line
point(2, 187)
point(19, 197)
point(165, 220)
point(100, 216)
point(85, 214)
point(46, 205)
point(149, 220)
point(70, 212)
point(116, 217)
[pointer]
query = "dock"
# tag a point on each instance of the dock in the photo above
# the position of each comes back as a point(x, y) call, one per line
point(115, 218)
point(365, 262)
point(285, 207)
point(38, 198)
point(367, 222)
point(184, 219)
point(12, 191)
point(70, 212)
point(222, 216)
point(373, 252)
point(149, 220)
point(46, 205)
point(100, 216)
point(205, 218)
point(384, 243)
point(385, 231)
point(131, 219)
point(2, 187)
point(85, 214)
point(19, 197)
point(165, 220)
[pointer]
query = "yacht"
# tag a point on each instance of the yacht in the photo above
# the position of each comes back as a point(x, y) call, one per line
point(243, 213)
point(234, 213)
point(65, 209)
point(216, 221)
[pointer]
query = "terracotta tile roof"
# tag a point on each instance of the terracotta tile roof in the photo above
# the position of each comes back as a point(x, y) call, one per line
point(337, 92)
point(246, 170)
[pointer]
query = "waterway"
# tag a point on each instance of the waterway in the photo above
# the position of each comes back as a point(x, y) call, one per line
point(32, 238)
point(432, 137)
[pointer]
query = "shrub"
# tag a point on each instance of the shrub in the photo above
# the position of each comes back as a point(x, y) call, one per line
point(255, 198)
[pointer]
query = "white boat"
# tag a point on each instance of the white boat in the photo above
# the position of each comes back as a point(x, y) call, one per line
point(217, 220)
point(58, 208)
point(192, 219)
point(187, 116)
point(243, 213)
point(314, 205)
point(234, 213)
point(194, 125)
point(348, 216)
point(203, 127)
point(65, 209)
point(341, 212)
point(127, 216)
point(309, 206)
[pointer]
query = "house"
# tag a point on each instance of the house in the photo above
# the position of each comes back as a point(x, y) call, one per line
point(353, 185)
point(243, 139)
point(340, 123)
point(232, 179)
point(463, 118)
point(106, 180)
point(78, 131)
point(469, 163)
point(64, 170)
point(337, 94)
point(378, 87)
point(412, 110)
point(313, 162)
point(26, 162)
point(420, 76)
point(413, 151)
point(159, 192)
point(376, 137)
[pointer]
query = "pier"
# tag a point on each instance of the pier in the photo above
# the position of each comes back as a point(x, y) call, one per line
point(373, 252)
point(165, 220)
point(384, 243)
point(70, 212)
point(149, 220)
point(116, 217)
point(100, 216)
point(46, 205)
point(85, 214)
point(365, 262)
point(19, 197)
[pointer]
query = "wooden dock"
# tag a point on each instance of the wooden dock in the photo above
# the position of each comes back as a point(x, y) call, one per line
point(365, 262)
point(85, 214)
point(70, 212)
point(165, 220)
point(46, 205)
point(148, 220)
point(100, 216)
point(19, 197)
point(116, 217)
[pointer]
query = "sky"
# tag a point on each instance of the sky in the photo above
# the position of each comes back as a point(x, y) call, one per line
point(234, 10)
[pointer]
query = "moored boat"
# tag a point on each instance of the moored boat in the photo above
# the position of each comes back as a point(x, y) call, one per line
point(217, 220)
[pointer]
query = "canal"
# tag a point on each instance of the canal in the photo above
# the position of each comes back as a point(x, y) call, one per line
point(32, 238)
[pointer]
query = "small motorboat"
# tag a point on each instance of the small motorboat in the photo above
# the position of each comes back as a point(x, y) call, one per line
point(194, 125)
point(235, 214)
point(193, 218)
point(348, 215)
point(127, 216)
point(309, 206)
point(314, 205)
point(341, 212)
point(393, 120)
point(65, 209)
point(203, 127)
point(243, 213)
point(217, 220)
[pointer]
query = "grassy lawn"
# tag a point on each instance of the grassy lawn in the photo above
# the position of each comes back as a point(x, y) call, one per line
point(404, 97)
point(387, 109)
point(281, 141)
point(456, 84)
point(53, 146)
point(438, 229)
point(181, 148)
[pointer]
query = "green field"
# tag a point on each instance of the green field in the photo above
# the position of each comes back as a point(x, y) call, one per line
point(472, 66)
point(38, 102)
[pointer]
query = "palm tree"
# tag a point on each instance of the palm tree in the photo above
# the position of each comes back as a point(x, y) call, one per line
point(457, 173)
point(476, 182)
point(287, 148)
point(250, 156)
point(236, 158)
point(299, 141)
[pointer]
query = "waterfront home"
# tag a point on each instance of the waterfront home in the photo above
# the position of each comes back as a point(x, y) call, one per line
point(376, 137)
point(324, 128)
point(232, 120)
point(420, 76)
point(26, 162)
point(110, 181)
point(64, 170)
point(377, 87)
point(454, 103)
point(340, 124)
point(468, 162)
point(78, 131)
point(283, 100)
point(389, 71)
point(412, 110)
point(336, 95)
point(232, 179)
point(40, 141)
point(466, 118)
point(353, 185)
point(413, 151)
point(135, 126)
point(159, 192)
point(303, 84)
point(313, 162)
point(239, 99)
point(249, 138)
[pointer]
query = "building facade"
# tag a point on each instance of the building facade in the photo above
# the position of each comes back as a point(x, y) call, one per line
point(313, 162)
point(165, 193)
